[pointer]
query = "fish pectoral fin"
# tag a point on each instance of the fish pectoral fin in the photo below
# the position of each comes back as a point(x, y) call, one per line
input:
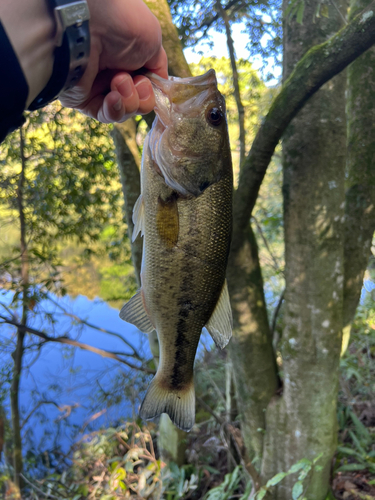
point(179, 405)
point(134, 312)
point(138, 218)
point(221, 323)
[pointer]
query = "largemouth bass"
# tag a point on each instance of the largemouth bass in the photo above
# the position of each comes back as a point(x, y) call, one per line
point(184, 213)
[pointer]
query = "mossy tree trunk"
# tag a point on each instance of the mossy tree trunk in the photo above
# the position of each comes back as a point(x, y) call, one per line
point(177, 64)
point(301, 423)
point(360, 178)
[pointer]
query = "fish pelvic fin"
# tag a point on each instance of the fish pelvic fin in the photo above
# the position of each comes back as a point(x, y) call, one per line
point(138, 218)
point(179, 405)
point(220, 324)
point(134, 312)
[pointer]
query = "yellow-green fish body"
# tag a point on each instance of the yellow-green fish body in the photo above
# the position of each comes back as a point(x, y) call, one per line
point(185, 215)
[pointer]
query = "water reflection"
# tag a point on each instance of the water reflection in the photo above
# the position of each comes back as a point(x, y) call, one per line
point(66, 390)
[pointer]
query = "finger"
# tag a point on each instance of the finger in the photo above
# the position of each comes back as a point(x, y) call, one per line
point(123, 83)
point(159, 63)
point(145, 94)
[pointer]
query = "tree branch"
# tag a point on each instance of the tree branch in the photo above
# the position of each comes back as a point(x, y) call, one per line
point(90, 325)
point(75, 343)
point(276, 265)
point(38, 405)
point(47, 495)
point(320, 64)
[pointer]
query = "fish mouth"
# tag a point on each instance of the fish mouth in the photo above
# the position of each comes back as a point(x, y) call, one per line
point(180, 94)
point(177, 97)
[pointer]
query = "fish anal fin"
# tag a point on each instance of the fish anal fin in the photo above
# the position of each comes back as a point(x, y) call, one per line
point(134, 312)
point(179, 405)
point(138, 218)
point(220, 324)
point(167, 222)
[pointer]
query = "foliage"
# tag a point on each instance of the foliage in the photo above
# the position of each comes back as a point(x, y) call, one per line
point(259, 20)
point(229, 487)
point(356, 413)
point(70, 191)
point(107, 464)
point(304, 468)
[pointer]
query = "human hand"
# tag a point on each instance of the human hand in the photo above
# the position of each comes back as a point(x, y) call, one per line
point(125, 36)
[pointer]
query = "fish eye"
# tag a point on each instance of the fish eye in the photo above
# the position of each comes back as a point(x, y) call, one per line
point(214, 116)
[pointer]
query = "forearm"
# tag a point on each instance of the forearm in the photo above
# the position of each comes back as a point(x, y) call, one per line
point(31, 28)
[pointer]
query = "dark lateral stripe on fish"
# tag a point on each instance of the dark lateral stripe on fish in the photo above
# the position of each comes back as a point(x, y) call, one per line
point(178, 377)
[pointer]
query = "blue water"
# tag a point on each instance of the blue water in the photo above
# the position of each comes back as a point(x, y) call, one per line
point(70, 379)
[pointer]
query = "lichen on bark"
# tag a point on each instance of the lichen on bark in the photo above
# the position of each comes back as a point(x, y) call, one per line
point(302, 422)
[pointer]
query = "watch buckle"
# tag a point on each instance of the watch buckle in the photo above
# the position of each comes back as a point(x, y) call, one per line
point(74, 13)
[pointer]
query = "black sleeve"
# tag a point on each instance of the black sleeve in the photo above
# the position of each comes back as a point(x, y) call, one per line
point(13, 88)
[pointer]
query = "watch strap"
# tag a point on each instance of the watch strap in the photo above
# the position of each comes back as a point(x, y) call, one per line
point(72, 50)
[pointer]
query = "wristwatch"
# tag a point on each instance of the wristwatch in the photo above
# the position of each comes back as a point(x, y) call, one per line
point(72, 49)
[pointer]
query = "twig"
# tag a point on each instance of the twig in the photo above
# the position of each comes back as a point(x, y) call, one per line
point(276, 312)
point(260, 231)
point(47, 495)
point(339, 11)
point(90, 325)
point(76, 343)
point(247, 466)
point(38, 405)
point(218, 419)
point(215, 386)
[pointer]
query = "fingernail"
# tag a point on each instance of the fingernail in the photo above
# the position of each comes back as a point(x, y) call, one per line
point(144, 91)
point(126, 87)
point(117, 106)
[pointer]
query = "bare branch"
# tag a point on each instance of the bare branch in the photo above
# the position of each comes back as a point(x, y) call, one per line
point(76, 343)
point(90, 325)
point(264, 239)
point(36, 407)
point(47, 495)
point(276, 311)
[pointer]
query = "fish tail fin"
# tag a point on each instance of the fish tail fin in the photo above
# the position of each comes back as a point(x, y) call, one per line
point(178, 404)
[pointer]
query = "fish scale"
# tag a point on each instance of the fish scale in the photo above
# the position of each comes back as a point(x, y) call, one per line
point(185, 216)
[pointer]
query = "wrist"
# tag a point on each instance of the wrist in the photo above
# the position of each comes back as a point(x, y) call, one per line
point(31, 30)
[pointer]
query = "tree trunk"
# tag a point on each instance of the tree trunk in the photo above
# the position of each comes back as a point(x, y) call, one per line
point(251, 349)
point(128, 162)
point(237, 94)
point(19, 350)
point(360, 179)
point(177, 64)
point(302, 422)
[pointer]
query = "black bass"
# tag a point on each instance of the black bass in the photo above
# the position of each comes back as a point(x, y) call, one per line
point(184, 213)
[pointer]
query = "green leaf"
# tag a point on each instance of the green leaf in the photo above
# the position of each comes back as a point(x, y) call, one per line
point(351, 467)
point(276, 479)
point(297, 490)
point(296, 467)
point(261, 493)
point(300, 11)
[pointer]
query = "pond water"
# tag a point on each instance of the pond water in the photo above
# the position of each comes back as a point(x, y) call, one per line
point(69, 380)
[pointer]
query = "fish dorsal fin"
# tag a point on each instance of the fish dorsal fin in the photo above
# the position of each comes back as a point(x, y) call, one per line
point(138, 218)
point(221, 323)
point(134, 312)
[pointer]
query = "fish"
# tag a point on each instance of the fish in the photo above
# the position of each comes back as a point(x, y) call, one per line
point(184, 214)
